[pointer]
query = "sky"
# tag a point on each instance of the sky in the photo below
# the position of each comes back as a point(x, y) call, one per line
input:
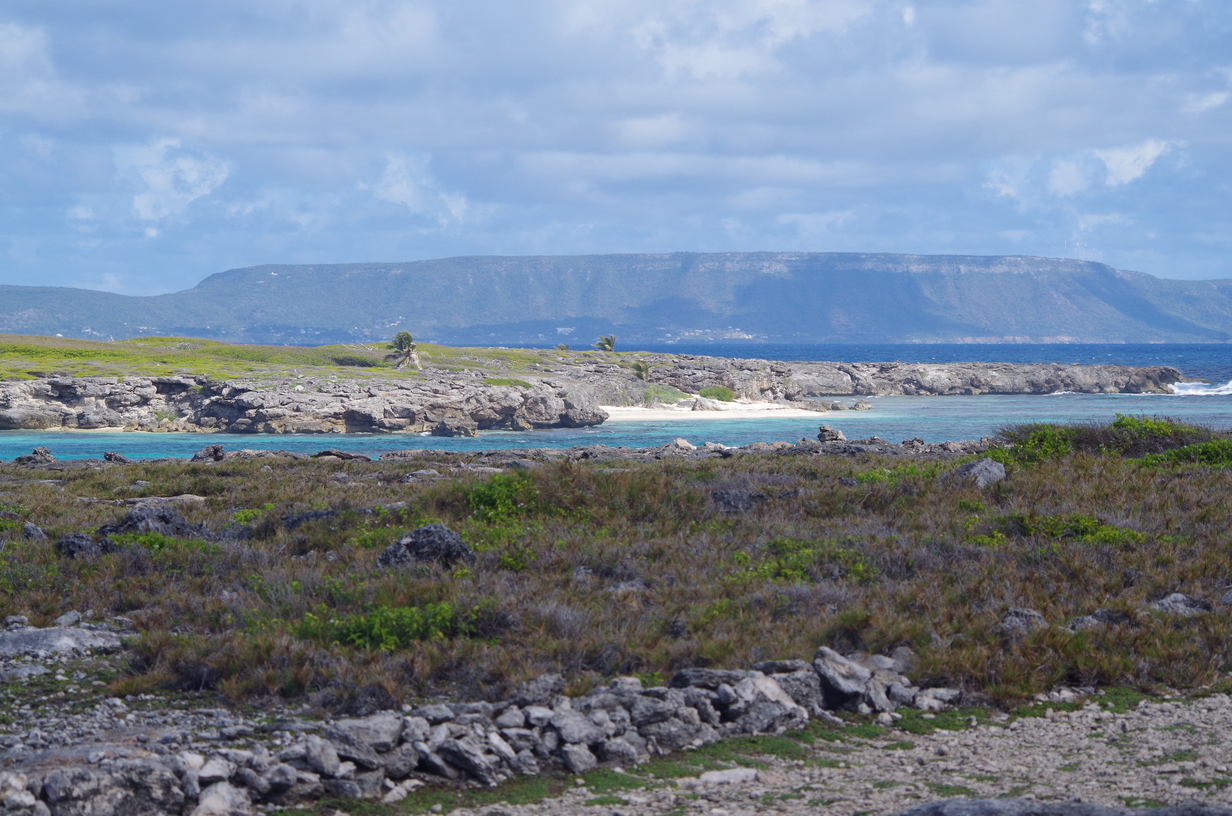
point(145, 145)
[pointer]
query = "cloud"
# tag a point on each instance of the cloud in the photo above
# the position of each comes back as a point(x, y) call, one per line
point(816, 225)
point(1067, 178)
point(1198, 103)
point(29, 86)
point(172, 176)
point(240, 131)
point(731, 39)
point(408, 181)
point(1128, 163)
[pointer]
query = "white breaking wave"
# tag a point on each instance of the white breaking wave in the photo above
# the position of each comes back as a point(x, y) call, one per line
point(1202, 390)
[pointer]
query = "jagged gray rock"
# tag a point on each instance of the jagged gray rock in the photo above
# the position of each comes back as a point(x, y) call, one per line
point(432, 543)
point(57, 640)
point(982, 473)
point(162, 519)
point(1178, 603)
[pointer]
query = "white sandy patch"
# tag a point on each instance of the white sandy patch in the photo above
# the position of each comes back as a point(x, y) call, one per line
point(729, 410)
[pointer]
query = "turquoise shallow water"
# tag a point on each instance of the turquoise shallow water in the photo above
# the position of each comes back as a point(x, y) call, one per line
point(934, 419)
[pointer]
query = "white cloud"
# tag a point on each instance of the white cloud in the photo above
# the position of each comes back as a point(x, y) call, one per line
point(1198, 103)
point(29, 85)
point(408, 181)
point(732, 39)
point(653, 131)
point(815, 225)
point(1067, 178)
point(172, 176)
point(1128, 163)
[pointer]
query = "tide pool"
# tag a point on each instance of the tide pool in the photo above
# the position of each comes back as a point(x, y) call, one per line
point(933, 419)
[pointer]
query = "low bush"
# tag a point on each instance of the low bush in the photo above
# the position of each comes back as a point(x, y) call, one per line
point(507, 381)
point(718, 392)
point(387, 629)
point(666, 394)
point(1215, 453)
point(1126, 436)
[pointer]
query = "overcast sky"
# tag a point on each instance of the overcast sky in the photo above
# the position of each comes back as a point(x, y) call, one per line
point(145, 145)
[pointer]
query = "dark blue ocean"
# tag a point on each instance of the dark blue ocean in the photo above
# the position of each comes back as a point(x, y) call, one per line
point(934, 419)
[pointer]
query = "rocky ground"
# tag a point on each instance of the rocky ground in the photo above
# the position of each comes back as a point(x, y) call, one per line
point(67, 747)
point(1158, 751)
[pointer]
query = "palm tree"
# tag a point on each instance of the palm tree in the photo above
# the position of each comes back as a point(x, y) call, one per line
point(606, 342)
point(404, 350)
point(641, 370)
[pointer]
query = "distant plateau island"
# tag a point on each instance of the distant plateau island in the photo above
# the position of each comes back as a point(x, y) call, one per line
point(772, 297)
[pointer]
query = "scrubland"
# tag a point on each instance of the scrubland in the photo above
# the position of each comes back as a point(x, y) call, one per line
point(601, 568)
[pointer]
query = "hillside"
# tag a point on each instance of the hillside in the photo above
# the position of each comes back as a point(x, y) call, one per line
point(774, 297)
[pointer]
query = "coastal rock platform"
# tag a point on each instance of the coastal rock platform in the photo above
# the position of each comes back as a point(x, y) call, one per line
point(461, 403)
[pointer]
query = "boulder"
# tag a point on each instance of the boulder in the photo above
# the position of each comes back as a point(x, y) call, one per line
point(840, 677)
point(210, 453)
point(575, 728)
point(468, 754)
point(380, 732)
point(80, 545)
point(578, 758)
point(828, 434)
point(32, 532)
point(161, 519)
point(736, 501)
point(126, 788)
point(538, 691)
point(761, 705)
point(705, 678)
point(223, 799)
point(432, 543)
point(40, 456)
point(803, 686)
point(1178, 603)
point(1018, 622)
point(982, 473)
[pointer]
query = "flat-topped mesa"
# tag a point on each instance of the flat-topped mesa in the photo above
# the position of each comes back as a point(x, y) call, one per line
point(447, 404)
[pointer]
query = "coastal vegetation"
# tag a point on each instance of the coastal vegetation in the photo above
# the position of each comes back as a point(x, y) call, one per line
point(616, 566)
point(25, 357)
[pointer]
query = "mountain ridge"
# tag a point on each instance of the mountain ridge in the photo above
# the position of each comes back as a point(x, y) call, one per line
point(654, 298)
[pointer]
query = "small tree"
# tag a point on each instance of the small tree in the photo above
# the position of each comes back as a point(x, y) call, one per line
point(606, 342)
point(562, 347)
point(404, 350)
point(641, 370)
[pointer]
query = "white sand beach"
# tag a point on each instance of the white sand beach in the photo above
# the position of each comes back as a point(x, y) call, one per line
point(729, 410)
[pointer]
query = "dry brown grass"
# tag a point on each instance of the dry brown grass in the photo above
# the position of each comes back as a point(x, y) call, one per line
point(595, 569)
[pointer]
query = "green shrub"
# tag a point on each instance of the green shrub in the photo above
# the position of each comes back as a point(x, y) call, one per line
point(796, 561)
point(1073, 526)
point(719, 392)
point(507, 381)
point(657, 392)
point(505, 496)
point(386, 629)
point(1127, 435)
point(1032, 444)
point(356, 360)
point(1216, 453)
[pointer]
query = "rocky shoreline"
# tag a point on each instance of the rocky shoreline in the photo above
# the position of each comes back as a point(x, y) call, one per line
point(569, 395)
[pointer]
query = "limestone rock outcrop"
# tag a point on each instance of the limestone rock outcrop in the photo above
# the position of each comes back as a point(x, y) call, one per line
point(447, 404)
